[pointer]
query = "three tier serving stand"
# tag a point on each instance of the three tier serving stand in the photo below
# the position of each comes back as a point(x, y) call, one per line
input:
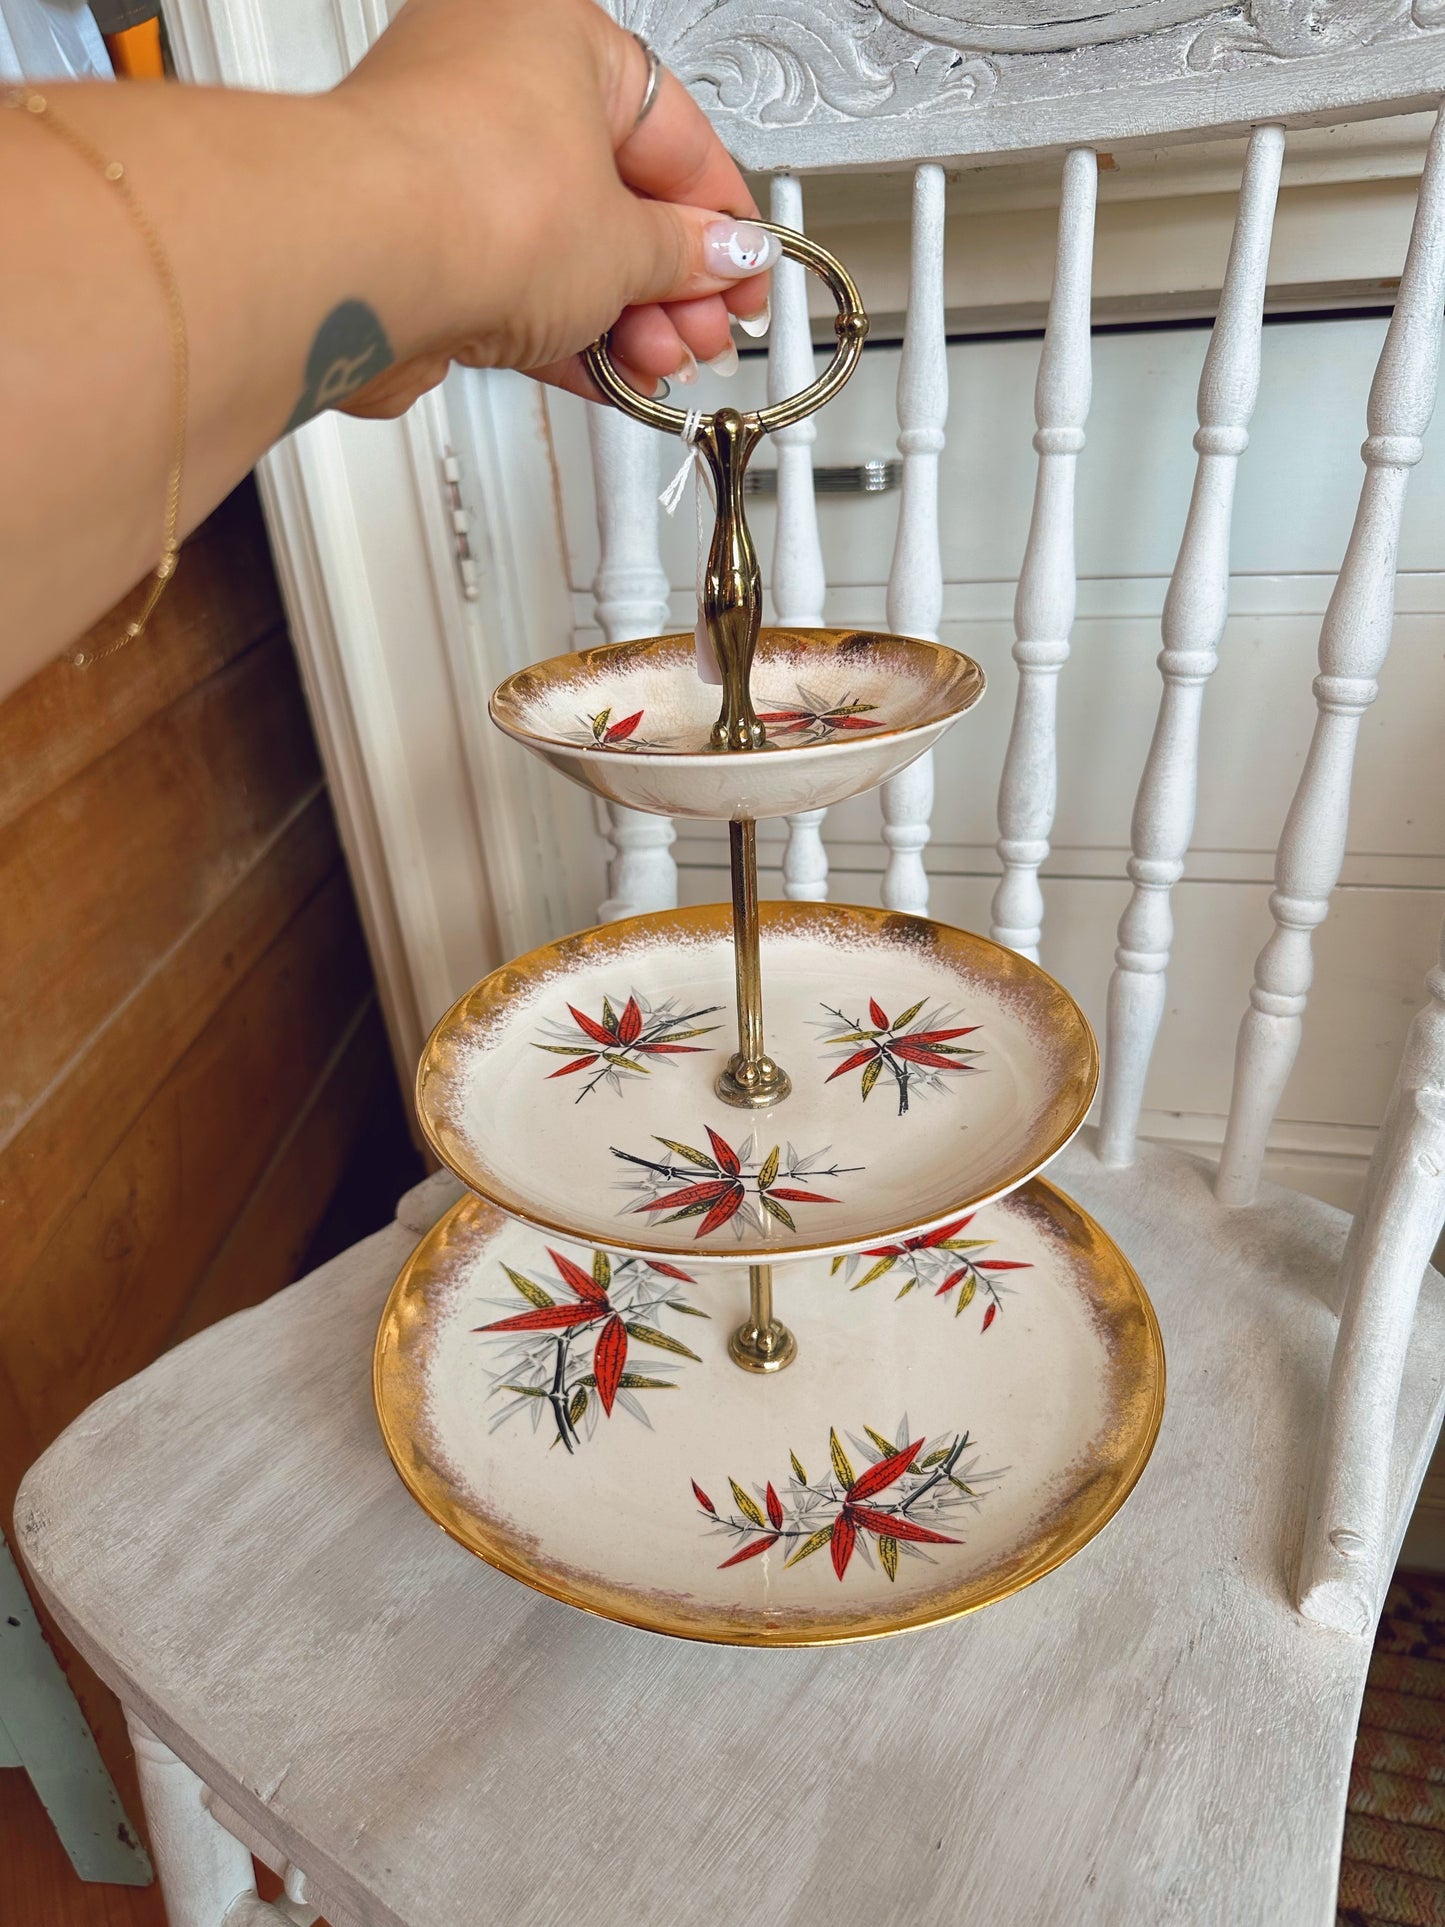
point(960, 1377)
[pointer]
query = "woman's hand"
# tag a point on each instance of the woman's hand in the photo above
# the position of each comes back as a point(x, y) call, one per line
point(555, 213)
point(480, 189)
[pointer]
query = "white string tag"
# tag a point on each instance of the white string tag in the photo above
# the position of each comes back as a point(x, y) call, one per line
point(707, 664)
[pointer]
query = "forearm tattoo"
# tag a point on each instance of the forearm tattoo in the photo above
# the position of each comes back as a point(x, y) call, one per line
point(350, 348)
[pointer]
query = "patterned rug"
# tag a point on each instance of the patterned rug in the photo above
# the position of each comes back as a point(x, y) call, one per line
point(1393, 1870)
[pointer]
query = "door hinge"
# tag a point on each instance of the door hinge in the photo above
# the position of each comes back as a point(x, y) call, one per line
point(461, 525)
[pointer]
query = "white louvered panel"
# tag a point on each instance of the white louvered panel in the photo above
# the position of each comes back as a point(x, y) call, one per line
point(915, 577)
point(1044, 604)
point(1354, 641)
point(1195, 611)
point(630, 596)
point(798, 580)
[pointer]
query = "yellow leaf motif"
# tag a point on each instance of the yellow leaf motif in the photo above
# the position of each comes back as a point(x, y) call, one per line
point(747, 1505)
point(877, 1271)
point(578, 1405)
point(648, 1335)
point(871, 1076)
point(769, 1170)
point(688, 1155)
point(965, 1294)
point(798, 1471)
point(819, 1538)
point(841, 1467)
point(908, 1015)
point(837, 1266)
point(888, 1556)
point(885, 1446)
point(533, 1294)
point(601, 1270)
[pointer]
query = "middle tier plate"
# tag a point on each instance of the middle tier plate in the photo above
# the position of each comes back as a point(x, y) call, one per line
point(932, 1071)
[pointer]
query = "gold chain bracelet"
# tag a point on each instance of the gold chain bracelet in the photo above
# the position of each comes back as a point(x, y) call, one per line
point(114, 172)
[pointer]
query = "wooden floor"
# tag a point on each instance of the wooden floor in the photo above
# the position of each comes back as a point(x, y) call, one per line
point(38, 1887)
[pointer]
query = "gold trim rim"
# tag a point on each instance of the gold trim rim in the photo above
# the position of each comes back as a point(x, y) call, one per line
point(969, 680)
point(711, 922)
point(464, 1528)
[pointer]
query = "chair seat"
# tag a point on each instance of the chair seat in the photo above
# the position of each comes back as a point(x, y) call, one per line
point(1150, 1734)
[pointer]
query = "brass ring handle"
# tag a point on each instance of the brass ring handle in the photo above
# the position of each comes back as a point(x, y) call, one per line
point(850, 326)
point(732, 589)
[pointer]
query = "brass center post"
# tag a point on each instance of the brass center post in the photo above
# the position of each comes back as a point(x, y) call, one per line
point(762, 1344)
point(732, 604)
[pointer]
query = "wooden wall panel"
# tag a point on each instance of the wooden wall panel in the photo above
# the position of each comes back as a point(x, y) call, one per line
point(109, 872)
point(117, 1274)
point(190, 1048)
point(96, 1097)
point(67, 722)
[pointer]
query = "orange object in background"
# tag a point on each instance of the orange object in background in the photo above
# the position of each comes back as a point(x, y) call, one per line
point(135, 52)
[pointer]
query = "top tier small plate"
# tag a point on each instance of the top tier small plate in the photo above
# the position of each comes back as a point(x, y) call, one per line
point(844, 709)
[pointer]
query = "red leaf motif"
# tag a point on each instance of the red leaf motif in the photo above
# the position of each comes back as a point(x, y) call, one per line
point(889, 1251)
point(775, 1506)
point(703, 1500)
point(547, 1318)
point(629, 1024)
point(940, 1036)
point(1005, 1264)
point(934, 1060)
point(895, 1525)
point(671, 1271)
point(708, 1192)
point(878, 1014)
point(678, 1049)
point(949, 1282)
point(850, 722)
point(845, 1534)
point(608, 1359)
point(593, 1029)
point(620, 731)
point(726, 1156)
point(750, 1552)
point(721, 1211)
point(577, 1064)
point(989, 1317)
point(946, 1231)
point(884, 1473)
point(578, 1280)
point(852, 1063)
point(784, 716)
point(798, 1197)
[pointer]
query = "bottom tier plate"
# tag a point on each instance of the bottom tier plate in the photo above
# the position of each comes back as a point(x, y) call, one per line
point(963, 1415)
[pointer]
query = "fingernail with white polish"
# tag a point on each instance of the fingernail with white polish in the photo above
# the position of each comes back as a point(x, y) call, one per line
point(726, 363)
point(686, 370)
point(755, 324)
point(736, 249)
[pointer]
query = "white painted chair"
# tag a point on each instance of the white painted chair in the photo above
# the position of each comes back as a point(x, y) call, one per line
point(1161, 1730)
